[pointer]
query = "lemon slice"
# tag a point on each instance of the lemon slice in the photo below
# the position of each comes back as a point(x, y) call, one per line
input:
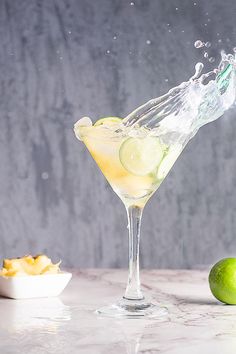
point(141, 156)
point(107, 121)
point(169, 160)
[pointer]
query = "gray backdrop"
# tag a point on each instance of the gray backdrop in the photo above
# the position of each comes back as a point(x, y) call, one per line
point(61, 60)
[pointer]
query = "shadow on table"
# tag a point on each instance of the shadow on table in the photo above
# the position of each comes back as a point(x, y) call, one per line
point(195, 301)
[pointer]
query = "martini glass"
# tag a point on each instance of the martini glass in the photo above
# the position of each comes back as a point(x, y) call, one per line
point(136, 154)
point(134, 162)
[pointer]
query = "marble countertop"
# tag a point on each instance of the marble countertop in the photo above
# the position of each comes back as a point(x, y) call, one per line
point(197, 323)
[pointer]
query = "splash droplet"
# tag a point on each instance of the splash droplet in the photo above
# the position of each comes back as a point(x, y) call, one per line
point(166, 80)
point(205, 55)
point(211, 59)
point(114, 37)
point(69, 32)
point(194, 3)
point(198, 44)
point(132, 3)
point(44, 175)
point(176, 8)
point(234, 49)
point(207, 44)
point(198, 69)
point(148, 41)
point(108, 51)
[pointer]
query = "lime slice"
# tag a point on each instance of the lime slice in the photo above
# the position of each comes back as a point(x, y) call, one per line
point(141, 156)
point(222, 280)
point(81, 123)
point(169, 160)
point(108, 121)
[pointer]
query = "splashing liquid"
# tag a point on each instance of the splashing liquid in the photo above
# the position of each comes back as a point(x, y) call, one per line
point(135, 154)
point(192, 104)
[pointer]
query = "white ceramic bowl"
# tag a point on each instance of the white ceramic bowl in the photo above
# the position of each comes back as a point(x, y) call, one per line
point(32, 286)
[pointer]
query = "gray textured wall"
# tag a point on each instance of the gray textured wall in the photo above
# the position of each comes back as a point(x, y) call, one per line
point(60, 60)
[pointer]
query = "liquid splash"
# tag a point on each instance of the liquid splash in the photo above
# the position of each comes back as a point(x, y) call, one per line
point(192, 104)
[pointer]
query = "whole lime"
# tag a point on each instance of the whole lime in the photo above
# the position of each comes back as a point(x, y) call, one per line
point(222, 280)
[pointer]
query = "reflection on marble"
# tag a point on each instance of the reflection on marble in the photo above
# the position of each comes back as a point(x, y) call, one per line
point(27, 315)
point(196, 322)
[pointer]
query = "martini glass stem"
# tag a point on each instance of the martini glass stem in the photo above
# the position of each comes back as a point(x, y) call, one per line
point(133, 290)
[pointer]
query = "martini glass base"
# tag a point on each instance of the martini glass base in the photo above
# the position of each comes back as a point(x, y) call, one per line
point(133, 309)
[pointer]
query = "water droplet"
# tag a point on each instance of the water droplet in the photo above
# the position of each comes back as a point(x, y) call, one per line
point(115, 37)
point(166, 80)
point(205, 55)
point(206, 13)
point(44, 175)
point(61, 58)
point(182, 31)
point(198, 44)
point(169, 30)
point(211, 59)
point(205, 24)
point(148, 41)
point(194, 3)
point(108, 51)
point(176, 8)
point(69, 32)
point(207, 44)
point(132, 3)
point(234, 49)
point(208, 20)
point(198, 69)
point(219, 40)
point(168, 24)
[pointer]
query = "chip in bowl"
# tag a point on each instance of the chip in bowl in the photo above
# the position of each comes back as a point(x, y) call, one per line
point(31, 277)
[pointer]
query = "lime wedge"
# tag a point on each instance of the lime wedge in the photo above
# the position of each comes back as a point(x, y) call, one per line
point(223, 78)
point(168, 161)
point(141, 156)
point(108, 121)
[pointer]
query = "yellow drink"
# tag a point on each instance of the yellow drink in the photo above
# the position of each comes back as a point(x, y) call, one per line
point(134, 166)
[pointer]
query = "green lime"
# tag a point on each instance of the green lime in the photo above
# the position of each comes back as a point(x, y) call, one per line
point(141, 156)
point(108, 120)
point(222, 280)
